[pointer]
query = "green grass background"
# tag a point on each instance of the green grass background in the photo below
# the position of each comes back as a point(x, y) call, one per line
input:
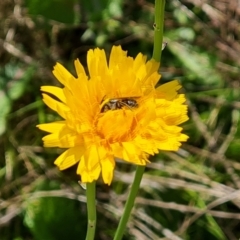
point(190, 194)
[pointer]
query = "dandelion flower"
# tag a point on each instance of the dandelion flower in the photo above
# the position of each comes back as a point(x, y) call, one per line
point(116, 111)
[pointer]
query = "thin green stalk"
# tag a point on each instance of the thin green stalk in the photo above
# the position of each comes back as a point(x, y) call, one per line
point(158, 29)
point(91, 209)
point(130, 202)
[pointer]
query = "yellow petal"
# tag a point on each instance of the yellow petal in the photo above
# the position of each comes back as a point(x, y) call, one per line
point(69, 157)
point(62, 75)
point(52, 127)
point(152, 67)
point(89, 167)
point(63, 138)
point(116, 56)
point(80, 69)
point(56, 91)
point(57, 106)
point(107, 166)
point(168, 90)
point(97, 62)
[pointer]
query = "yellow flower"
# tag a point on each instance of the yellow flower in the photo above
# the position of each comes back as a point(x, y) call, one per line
point(116, 112)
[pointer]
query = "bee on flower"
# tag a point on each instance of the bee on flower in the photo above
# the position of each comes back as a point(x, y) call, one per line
point(115, 112)
point(118, 103)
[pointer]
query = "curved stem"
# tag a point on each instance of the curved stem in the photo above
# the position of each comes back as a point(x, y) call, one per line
point(91, 209)
point(130, 202)
point(158, 29)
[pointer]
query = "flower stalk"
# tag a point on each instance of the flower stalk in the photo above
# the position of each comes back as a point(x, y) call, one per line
point(158, 29)
point(130, 202)
point(91, 210)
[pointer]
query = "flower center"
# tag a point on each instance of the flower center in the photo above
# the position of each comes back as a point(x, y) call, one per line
point(117, 119)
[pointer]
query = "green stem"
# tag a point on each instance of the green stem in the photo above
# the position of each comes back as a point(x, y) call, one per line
point(91, 209)
point(158, 29)
point(130, 202)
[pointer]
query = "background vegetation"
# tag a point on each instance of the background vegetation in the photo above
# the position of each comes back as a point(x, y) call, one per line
point(191, 194)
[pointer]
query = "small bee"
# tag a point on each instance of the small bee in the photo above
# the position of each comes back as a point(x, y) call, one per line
point(118, 103)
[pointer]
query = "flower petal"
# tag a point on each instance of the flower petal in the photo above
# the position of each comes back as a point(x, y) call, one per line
point(97, 62)
point(62, 75)
point(116, 56)
point(168, 90)
point(80, 69)
point(57, 106)
point(69, 157)
point(52, 127)
point(89, 167)
point(108, 166)
point(56, 91)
